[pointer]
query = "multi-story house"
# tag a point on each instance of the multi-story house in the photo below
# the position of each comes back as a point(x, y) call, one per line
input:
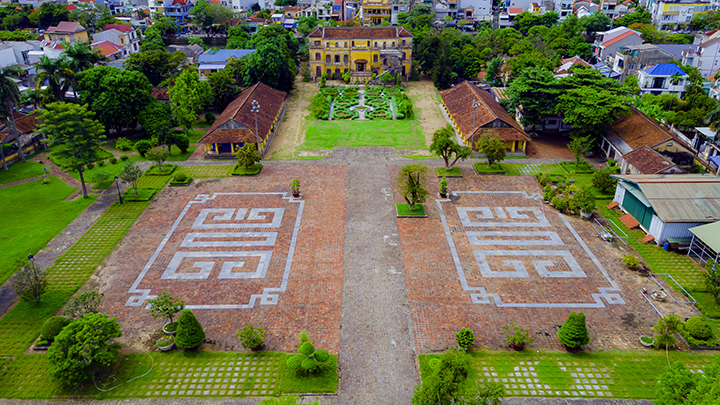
point(704, 54)
point(399, 6)
point(359, 50)
point(663, 78)
point(476, 10)
point(177, 11)
point(373, 11)
point(66, 31)
point(122, 35)
point(608, 42)
point(564, 8)
point(632, 59)
point(322, 10)
point(668, 14)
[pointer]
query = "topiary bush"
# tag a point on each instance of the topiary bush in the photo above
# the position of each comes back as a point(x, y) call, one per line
point(190, 334)
point(209, 117)
point(52, 327)
point(559, 203)
point(123, 144)
point(182, 142)
point(309, 359)
point(697, 332)
point(465, 338)
point(101, 163)
point(113, 160)
point(124, 158)
point(573, 333)
point(143, 146)
point(180, 177)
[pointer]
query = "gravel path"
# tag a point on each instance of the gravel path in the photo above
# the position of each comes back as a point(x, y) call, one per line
point(377, 355)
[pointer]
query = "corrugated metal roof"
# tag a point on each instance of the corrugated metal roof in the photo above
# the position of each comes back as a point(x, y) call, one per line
point(223, 55)
point(680, 197)
point(709, 234)
point(665, 69)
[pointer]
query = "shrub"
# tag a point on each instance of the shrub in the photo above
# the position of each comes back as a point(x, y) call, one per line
point(611, 163)
point(323, 80)
point(251, 337)
point(209, 117)
point(559, 202)
point(190, 333)
point(101, 163)
point(518, 337)
point(89, 166)
point(88, 302)
point(52, 327)
point(113, 160)
point(182, 142)
point(166, 306)
point(631, 261)
point(123, 144)
point(602, 180)
point(666, 328)
point(543, 179)
point(180, 177)
point(143, 146)
point(30, 282)
point(698, 328)
point(309, 359)
point(573, 332)
point(124, 158)
point(465, 338)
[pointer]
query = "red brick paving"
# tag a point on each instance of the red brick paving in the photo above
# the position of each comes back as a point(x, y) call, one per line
point(312, 300)
point(440, 306)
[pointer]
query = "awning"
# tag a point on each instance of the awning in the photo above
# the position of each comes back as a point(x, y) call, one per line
point(209, 66)
point(360, 61)
point(709, 234)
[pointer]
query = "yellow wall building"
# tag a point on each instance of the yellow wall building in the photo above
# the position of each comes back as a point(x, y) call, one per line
point(360, 50)
point(373, 11)
point(66, 31)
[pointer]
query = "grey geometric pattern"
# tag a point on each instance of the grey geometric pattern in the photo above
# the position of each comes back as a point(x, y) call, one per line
point(479, 295)
point(225, 218)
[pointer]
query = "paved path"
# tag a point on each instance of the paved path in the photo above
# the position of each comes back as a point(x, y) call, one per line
point(377, 355)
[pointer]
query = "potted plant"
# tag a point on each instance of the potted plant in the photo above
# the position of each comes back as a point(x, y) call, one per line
point(465, 339)
point(518, 338)
point(295, 187)
point(573, 334)
point(647, 341)
point(166, 343)
point(443, 188)
point(166, 306)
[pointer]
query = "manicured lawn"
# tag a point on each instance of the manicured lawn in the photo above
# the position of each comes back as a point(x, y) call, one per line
point(482, 168)
point(62, 162)
point(298, 382)
point(20, 170)
point(111, 169)
point(582, 180)
point(206, 171)
point(403, 134)
point(32, 214)
point(453, 172)
point(239, 170)
point(706, 303)
point(196, 134)
point(404, 209)
point(629, 374)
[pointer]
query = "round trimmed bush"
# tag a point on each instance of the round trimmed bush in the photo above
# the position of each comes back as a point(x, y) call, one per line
point(124, 158)
point(307, 348)
point(182, 142)
point(310, 364)
point(113, 160)
point(143, 146)
point(89, 166)
point(434, 363)
point(190, 333)
point(465, 338)
point(53, 326)
point(123, 144)
point(101, 163)
point(209, 118)
point(698, 328)
point(295, 362)
point(322, 356)
point(180, 177)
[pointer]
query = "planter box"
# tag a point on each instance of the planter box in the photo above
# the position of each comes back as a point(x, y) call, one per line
point(422, 215)
point(185, 184)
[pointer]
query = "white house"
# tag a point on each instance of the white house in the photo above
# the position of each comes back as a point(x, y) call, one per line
point(663, 78)
point(608, 42)
point(667, 14)
point(704, 53)
point(564, 8)
point(7, 56)
point(668, 205)
point(482, 9)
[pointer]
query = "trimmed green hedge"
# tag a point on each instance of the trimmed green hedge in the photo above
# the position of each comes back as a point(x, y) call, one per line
point(166, 170)
point(482, 168)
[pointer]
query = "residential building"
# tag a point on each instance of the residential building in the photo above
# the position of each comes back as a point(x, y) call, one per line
point(360, 50)
point(120, 39)
point(278, 18)
point(214, 61)
point(110, 50)
point(373, 11)
point(476, 10)
point(668, 14)
point(704, 53)
point(30, 139)
point(608, 42)
point(535, 8)
point(567, 63)
point(522, 4)
point(474, 112)
point(629, 60)
point(256, 23)
point(240, 123)
point(505, 19)
point(66, 31)
point(646, 160)
point(705, 244)
point(177, 11)
point(322, 10)
point(338, 10)
point(613, 8)
point(295, 12)
point(191, 51)
point(663, 78)
point(7, 56)
point(132, 36)
point(636, 130)
point(399, 6)
point(564, 8)
point(666, 206)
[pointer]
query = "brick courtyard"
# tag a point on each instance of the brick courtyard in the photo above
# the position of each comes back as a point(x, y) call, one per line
point(515, 259)
point(237, 251)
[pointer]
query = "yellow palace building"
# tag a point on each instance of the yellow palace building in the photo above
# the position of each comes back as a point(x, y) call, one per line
point(360, 50)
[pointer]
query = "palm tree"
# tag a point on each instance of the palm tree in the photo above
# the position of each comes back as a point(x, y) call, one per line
point(713, 119)
point(10, 95)
point(55, 71)
point(80, 56)
point(36, 98)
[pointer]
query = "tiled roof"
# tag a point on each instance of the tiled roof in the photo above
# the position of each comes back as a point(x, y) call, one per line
point(637, 129)
point(120, 27)
point(71, 7)
point(665, 69)
point(237, 123)
point(515, 10)
point(500, 93)
point(65, 27)
point(179, 2)
point(619, 38)
point(106, 48)
point(24, 125)
point(359, 32)
point(160, 93)
point(459, 102)
point(214, 1)
point(648, 161)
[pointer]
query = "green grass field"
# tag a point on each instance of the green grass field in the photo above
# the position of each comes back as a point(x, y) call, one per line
point(403, 134)
point(32, 214)
point(111, 169)
point(20, 170)
point(629, 374)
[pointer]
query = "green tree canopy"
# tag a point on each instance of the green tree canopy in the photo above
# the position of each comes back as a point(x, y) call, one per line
point(639, 16)
point(187, 97)
point(445, 146)
point(536, 91)
point(156, 65)
point(269, 65)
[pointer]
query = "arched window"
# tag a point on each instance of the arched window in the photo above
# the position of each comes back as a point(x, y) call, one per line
point(337, 58)
point(375, 58)
point(345, 59)
point(327, 59)
point(317, 56)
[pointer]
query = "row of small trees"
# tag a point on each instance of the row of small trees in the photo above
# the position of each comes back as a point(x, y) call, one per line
point(446, 147)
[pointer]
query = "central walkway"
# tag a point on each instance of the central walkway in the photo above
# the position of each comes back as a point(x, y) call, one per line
point(377, 353)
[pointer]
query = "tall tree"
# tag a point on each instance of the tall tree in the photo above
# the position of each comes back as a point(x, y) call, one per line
point(535, 91)
point(157, 65)
point(10, 96)
point(186, 98)
point(81, 56)
point(74, 128)
point(153, 40)
point(444, 145)
point(222, 86)
point(55, 72)
point(268, 64)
